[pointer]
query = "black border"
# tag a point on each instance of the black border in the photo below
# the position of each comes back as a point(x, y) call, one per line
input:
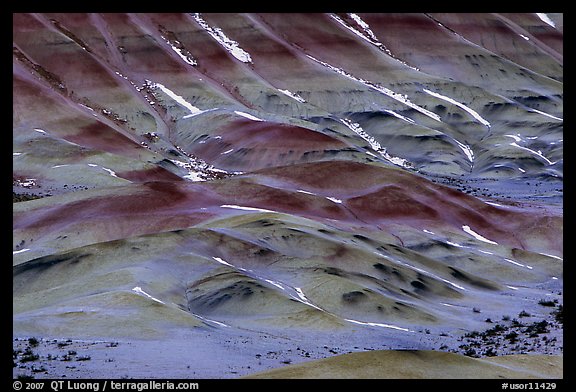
point(320, 6)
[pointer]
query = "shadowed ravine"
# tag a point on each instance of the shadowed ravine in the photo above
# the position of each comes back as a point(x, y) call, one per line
point(233, 193)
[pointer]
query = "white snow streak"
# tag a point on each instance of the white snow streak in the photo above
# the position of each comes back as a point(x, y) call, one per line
point(179, 99)
point(468, 230)
point(247, 115)
point(379, 325)
point(245, 208)
point(546, 19)
point(139, 290)
point(538, 153)
point(386, 91)
point(292, 95)
point(461, 106)
point(356, 128)
point(230, 45)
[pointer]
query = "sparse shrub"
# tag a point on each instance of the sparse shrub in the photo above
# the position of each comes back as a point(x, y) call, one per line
point(29, 356)
point(512, 337)
point(550, 303)
point(495, 330)
point(33, 342)
point(524, 314)
point(473, 334)
point(38, 370)
point(558, 314)
point(537, 328)
point(516, 324)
